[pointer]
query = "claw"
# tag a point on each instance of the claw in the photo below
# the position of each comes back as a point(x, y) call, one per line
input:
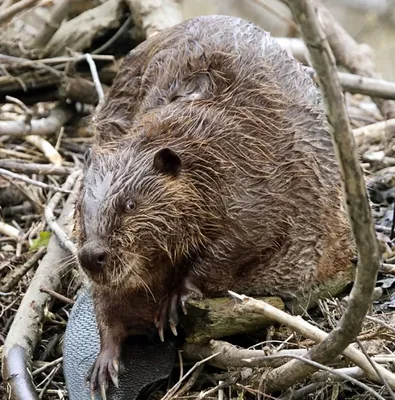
point(184, 307)
point(113, 372)
point(157, 320)
point(173, 328)
point(115, 363)
point(160, 317)
point(168, 312)
point(161, 335)
point(115, 380)
point(103, 390)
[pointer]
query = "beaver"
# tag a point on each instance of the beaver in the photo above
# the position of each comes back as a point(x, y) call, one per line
point(212, 169)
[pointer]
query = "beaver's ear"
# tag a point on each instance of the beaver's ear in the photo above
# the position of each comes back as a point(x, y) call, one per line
point(167, 161)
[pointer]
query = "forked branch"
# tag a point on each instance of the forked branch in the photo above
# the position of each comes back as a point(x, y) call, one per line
point(356, 201)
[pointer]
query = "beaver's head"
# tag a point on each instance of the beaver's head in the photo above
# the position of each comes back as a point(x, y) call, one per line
point(141, 210)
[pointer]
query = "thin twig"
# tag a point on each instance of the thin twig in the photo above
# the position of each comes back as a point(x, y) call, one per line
point(380, 322)
point(77, 58)
point(15, 8)
point(280, 16)
point(317, 365)
point(113, 39)
point(9, 230)
point(43, 126)
point(213, 390)
point(56, 295)
point(48, 381)
point(304, 328)
point(174, 389)
point(51, 219)
point(303, 391)
point(32, 168)
point(353, 83)
point(47, 365)
point(21, 104)
point(47, 149)
point(95, 77)
point(181, 364)
point(256, 392)
point(15, 275)
point(26, 179)
point(191, 381)
point(378, 372)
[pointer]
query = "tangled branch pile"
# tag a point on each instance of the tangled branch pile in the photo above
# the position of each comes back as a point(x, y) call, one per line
point(58, 59)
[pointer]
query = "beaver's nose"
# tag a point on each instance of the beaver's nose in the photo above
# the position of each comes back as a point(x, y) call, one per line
point(92, 257)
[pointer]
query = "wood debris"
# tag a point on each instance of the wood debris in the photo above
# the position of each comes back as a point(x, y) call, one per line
point(58, 59)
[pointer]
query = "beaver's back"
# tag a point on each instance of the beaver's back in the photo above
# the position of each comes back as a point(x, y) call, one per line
point(200, 59)
point(220, 75)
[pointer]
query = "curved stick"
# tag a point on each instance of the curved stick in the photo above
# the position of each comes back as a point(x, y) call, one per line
point(357, 204)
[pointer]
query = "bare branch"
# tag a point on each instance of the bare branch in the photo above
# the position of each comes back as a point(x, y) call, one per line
point(11, 280)
point(23, 178)
point(50, 217)
point(46, 148)
point(152, 16)
point(251, 306)
point(43, 126)
point(9, 230)
point(58, 14)
point(317, 365)
point(360, 84)
point(15, 8)
point(374, 132)
point(95, 77)
point(32, 168)
point(355, 57)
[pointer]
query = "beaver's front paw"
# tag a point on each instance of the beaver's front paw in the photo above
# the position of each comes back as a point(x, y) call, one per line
point(169, 308)
point(105, 367)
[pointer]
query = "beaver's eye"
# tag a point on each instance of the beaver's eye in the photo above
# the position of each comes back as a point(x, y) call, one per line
point(130, 205)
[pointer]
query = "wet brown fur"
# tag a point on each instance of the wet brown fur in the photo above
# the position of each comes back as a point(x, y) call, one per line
point(257, 207)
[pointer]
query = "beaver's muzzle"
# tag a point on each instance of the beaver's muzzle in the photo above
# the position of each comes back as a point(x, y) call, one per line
point(92, 257)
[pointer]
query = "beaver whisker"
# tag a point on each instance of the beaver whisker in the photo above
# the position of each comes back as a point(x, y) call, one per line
point(147, 289)
point(65, 264)
point(120, 281)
